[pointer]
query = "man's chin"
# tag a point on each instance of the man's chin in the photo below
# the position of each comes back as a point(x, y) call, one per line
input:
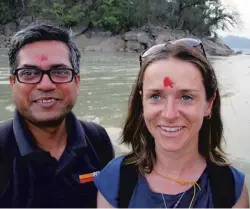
point(48, 121)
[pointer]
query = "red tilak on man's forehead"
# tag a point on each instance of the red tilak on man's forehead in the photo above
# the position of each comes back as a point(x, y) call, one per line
point(167, 82)
point(43, 57)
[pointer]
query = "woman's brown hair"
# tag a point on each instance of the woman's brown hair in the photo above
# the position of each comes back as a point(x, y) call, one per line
point(135, 132)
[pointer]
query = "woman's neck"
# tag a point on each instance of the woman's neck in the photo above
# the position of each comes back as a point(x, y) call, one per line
point(180, 164)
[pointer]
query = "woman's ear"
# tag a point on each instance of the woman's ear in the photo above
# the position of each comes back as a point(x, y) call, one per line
point(209, 106)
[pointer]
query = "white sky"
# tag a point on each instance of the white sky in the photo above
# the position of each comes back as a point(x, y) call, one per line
point(243, 7)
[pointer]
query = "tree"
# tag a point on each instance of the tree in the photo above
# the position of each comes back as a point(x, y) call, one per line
point(201, 17)
point(110, 15)
point(10, 11)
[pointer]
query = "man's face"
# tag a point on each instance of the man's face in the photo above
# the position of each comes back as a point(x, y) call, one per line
point(45, 102)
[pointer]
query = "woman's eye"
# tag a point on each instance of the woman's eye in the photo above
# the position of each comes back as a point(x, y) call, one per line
point(186, 98)
point(155, 96)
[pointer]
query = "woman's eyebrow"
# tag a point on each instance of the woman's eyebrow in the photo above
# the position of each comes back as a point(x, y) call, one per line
point(189, 90)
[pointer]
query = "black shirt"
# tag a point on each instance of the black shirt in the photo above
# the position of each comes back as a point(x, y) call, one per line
point(37, 179)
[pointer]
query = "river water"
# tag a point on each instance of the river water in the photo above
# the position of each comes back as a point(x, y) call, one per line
point(106, 80)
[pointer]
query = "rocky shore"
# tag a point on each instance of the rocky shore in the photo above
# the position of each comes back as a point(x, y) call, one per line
point(132, 41)
point(137, 40)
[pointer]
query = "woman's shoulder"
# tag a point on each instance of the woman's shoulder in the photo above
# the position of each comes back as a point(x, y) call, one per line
point(239, 179)
point(237, 173)
point(107, 181)
point(111, 169)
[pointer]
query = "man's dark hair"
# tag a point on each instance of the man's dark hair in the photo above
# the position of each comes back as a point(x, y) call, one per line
point(42, 32)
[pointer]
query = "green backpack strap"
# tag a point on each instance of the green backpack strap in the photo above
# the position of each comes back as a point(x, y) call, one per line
point(99, 141)
point(221, 182)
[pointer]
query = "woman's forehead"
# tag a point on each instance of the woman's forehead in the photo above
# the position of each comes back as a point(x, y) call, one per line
point(172, 73)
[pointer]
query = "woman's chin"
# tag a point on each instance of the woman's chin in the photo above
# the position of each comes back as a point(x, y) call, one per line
point(171, 146)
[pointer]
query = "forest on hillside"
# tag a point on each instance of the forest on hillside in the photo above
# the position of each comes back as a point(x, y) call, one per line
point(201, 17)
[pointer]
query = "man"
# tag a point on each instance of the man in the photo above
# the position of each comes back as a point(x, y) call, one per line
point(48, 157)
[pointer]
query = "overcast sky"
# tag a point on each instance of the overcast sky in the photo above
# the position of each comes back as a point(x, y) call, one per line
point(243, 7)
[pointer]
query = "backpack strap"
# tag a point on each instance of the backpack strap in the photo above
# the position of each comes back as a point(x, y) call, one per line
point(222, 185)
point(99, 141)
point(6, 152)
point(221, 182)
point(128, 180)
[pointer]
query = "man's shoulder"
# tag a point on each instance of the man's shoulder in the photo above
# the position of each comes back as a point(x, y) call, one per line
point(5, 128)
point(92, 128)
point(100, 141)
point(90, 123)
point(7, 141)
point(96, 133)
point(6, 123)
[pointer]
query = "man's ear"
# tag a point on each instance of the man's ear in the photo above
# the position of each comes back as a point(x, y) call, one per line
point(209, 106)
point(11, 80)
point(77, 81)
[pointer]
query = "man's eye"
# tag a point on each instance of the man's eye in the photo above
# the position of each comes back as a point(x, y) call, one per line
point(186, 98)
point(60, 72)
point(28, 73)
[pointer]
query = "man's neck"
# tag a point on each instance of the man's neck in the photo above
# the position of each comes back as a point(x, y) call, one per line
point(51, 139)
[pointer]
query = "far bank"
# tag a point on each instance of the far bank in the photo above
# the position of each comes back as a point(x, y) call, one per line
point(135, 40)
point(138, 40)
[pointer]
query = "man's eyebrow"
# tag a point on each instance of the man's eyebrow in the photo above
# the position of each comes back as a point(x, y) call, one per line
point(29, 66)
point(59, 65)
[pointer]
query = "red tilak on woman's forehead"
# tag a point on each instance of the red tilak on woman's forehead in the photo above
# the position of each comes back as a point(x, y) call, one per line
point(167, 82)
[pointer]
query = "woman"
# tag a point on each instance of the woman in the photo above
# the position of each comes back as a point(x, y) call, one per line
point(174, 127)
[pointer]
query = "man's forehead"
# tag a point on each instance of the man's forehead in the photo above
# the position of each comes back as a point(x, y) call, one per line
point(45, 47)
point(43, 60)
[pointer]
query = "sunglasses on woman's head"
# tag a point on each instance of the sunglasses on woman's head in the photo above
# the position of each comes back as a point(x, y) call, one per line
point(189, 41)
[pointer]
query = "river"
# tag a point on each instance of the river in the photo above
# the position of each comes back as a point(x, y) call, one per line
point(106, 80)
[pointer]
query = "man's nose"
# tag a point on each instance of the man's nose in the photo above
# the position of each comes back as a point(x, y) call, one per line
point(46, 84)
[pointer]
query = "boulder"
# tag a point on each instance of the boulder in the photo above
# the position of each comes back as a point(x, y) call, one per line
point(239, 52)
point(216, 48)
point(143, 37)
point(164, 37)
point(156, 30)
point(130, 36)
point(109, 45)
point(134, 46)
point(178, 33)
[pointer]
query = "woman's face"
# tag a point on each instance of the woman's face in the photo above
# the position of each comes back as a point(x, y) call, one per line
point(174, 104)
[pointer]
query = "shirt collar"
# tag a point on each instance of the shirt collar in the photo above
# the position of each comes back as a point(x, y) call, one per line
point(26, 142)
